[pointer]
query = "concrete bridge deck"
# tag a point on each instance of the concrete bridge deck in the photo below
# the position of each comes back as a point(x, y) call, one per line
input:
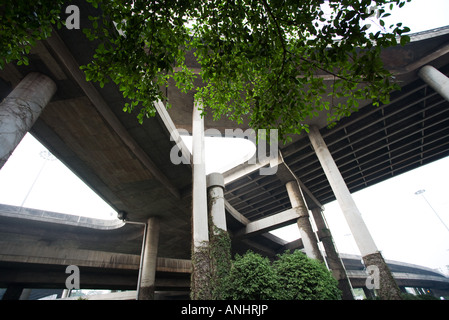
point(128, 164)
point(37, 246)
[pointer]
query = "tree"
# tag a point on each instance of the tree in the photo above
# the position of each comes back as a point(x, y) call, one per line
point(293, 276)
point(22, 23)
point(302, 278)
point(264, 59)
point(251, 278)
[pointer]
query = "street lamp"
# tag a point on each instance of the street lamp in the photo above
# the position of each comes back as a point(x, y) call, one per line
point(421, 192)
point(47, 156)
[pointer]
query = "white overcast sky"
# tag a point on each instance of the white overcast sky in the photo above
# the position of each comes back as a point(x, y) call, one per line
point(403, 225)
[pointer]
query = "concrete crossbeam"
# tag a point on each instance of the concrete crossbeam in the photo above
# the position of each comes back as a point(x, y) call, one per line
point(270, 223)
point(437, 80)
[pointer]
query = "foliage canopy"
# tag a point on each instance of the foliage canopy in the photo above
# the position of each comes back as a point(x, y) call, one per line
point(261, 59)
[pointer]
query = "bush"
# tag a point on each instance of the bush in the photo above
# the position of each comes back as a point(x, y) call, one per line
point(293, 276)
point(302, 278)
point(409, 296)
point(251, 278)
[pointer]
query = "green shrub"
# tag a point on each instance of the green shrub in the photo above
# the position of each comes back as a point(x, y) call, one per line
point(409, 296)
point(302, 278)
point(293, 276)
point(251, 278)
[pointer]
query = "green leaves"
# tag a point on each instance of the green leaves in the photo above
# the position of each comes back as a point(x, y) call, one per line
point(22, 23)
point(292, 276)
point(304, 279)
point(251, 278)
point(265, 61)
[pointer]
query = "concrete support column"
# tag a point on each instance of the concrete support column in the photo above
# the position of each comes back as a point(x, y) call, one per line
point(20, 109)
point(215, 187)
point(200, 279)
point(308, 237)
point(13, 292)
point(148, 272)
point(65, 293)
point(434, 78)
point(219, 241)
point(199, 193)
point(369, 294)
point(365, 242)
point(332, 257)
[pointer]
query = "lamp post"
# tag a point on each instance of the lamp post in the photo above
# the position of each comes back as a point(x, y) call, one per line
point(421, 192)
point(47, 156)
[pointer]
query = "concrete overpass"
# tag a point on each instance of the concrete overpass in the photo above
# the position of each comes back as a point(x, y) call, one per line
point(129, 166)
point(37, 246)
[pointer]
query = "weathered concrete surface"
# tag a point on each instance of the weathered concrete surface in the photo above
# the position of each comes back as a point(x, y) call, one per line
point(362, 236)
point(388, 288)
point(308, 236)
point(332, 257)
point(149, 263)
point(20, 110)
point(437, 80)
point(216, 201)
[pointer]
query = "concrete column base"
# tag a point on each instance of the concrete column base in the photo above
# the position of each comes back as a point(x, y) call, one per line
point(336, 266)
point(200, 288)
point(332, 257)
point(146, 293)
point(13, 292)
point(388, 288)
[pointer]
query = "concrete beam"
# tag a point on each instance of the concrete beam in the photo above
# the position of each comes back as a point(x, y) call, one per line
point(237, 215)
point(64, 256)
point(293, 245)
point(437, 80)
point(174, 133)
point(246, 168)
point(269, 223)
point(61, 51)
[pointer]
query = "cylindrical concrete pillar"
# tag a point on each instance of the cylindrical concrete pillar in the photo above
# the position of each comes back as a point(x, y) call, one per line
point(199, 193)
point(215, 187)
point(200, 281)
point(20, 109)
point(352, 214)
point(308, 237)
point(65, 293)
point(371, 256)
point(332, 257)
point(148, 272)
point(434, 78)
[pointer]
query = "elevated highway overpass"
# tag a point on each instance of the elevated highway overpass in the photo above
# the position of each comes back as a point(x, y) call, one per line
point(37, 246)
point(128, 164)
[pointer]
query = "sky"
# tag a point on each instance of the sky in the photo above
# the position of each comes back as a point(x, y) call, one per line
point(404, 226)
